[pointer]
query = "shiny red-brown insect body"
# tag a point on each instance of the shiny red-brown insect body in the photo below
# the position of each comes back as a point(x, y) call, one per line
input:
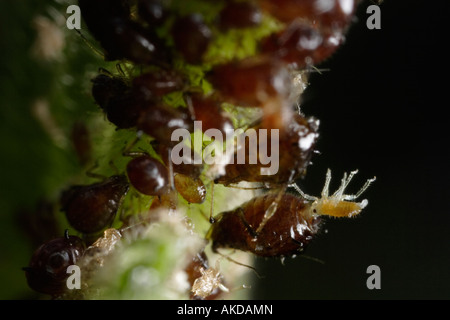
point(160, 120)
point(191, 37)
point(239, 15)
point(330, 14)
point(109, 21)
point(302, 44)
point(209, 112)
point(295, 148)
point(252, 81)
point(47, 271)
point(115, 97)
point(287, 232)
point(91, 208)
point(148, 175)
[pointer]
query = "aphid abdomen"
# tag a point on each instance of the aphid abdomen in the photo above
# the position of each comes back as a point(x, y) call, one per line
point(93, 207)
point(340, 209)
point(287, 232)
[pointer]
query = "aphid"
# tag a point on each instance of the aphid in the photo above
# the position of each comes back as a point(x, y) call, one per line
point(47, 270)
point(330, 14)
point(160, 120)
point(191, 37)
point(287, 230)
point(148, 175)
point(91, 208)
point(152, 12)
point(140, 105)
point(251, 82)
point(338, 204)
point(110, 23)
point(191, 189)
point(205, 285)
point(295, 148)
point(156, 84)
point(117, 100)
point(209, 112)
point(95, 254)
point(302, 44)
point(209, 284)
point(239, 15)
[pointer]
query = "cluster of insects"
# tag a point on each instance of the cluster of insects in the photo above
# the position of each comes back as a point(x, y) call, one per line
point(272, 224)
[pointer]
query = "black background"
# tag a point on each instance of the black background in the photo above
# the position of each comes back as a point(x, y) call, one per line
point(383, 110)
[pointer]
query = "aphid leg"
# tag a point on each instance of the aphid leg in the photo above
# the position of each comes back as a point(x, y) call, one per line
point(170, 169)
point(247, 188)
point(90, 45)
point(270, 211)
point(211, 216)
point(345, 182)
point(127, 150)
point(326, 186)
point(91, 174)
point(302, 194)
point(351, 197)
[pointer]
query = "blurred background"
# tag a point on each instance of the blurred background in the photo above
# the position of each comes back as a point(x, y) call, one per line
point(382, 107)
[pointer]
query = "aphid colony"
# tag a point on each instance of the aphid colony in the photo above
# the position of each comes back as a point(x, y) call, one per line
point(274, 224)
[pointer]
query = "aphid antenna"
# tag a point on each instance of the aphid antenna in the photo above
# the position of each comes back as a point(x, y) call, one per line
point(240, 264)
point(302, 194)
point(89, 44)
point(304, 256)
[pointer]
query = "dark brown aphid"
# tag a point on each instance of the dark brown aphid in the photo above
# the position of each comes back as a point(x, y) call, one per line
point(91, 208)
point(148, 175)
point(302, 44)
point(47, 271)
point(117, 100)
point(295, 143)
point(289, 230)
point(140, 105)
point(191, 189)
point(239, 15)
point(152, 12)
point(334, 14)
point(160, 120)
point(277, 226)
point(154, 85)
point(110, 23)
point(209, 112)
point(251, 82)
point(191, 37)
